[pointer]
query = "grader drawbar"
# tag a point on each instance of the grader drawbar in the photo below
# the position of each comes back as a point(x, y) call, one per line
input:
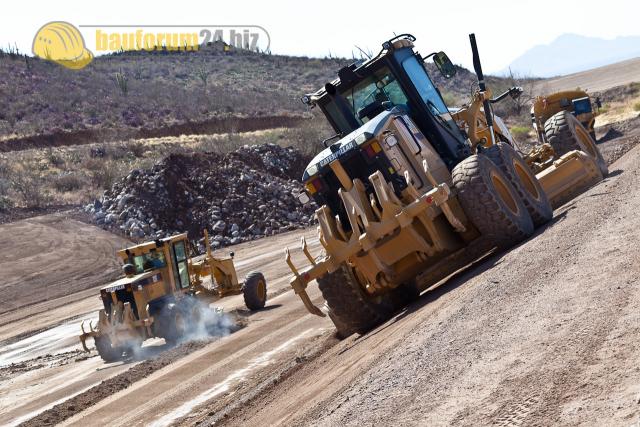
point(412, 191)
point(165, 294)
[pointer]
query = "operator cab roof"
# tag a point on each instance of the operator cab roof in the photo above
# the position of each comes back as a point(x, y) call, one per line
point(147, 246)
point(398, 42)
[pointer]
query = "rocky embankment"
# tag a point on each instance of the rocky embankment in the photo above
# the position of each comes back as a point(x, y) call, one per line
point(237, 197)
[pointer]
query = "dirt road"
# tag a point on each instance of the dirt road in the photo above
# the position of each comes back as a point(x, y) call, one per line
point(52, 256)
point(597, 79)
point(41, 365)
point(544, 334)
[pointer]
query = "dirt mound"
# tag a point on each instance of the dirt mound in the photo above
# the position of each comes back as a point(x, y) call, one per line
point(241, 196)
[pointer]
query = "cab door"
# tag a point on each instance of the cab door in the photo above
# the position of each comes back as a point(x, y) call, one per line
point(180, 265)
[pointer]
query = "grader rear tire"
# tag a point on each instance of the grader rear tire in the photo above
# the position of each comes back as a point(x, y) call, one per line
point(353, 309)
point(523, 180)
point(490, 202)
point(565, 133)
point(107, 352)
point(255, 291)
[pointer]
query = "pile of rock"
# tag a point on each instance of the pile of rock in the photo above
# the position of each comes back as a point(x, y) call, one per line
point(237, 197)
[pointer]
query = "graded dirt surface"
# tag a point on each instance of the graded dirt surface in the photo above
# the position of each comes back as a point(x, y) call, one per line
point(41, 365)
point(545, 334)
point(53, 256)
point(596, 79)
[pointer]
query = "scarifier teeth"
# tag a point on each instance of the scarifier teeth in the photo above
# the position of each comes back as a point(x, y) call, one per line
point(287, 258)
point(82, 327)
point(305, 250)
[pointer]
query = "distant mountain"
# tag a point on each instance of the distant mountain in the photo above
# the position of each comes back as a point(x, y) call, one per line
point(571, 53)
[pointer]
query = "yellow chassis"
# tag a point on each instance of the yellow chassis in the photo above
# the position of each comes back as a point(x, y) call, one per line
point(390, 223)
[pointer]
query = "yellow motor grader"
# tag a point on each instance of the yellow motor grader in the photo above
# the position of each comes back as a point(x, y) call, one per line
point(163, 294)
point(577, 102)
point(566, 159)
point(410, 193)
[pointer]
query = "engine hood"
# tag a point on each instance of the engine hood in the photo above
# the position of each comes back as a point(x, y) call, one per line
point(347, 143)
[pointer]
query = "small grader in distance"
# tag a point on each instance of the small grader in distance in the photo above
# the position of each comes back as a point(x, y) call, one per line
point(163, 295)
point(410, 193)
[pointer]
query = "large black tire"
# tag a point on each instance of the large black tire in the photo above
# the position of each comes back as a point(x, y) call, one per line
point(171, 323)
point(523, 180)
point(490, 202)
point(107, 352)
point(255, 291)
point(565, 133)
point(353, 310)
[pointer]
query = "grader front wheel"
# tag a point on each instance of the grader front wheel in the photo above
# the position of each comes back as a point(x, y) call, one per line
point(523, 181)
point(350, 308)
point(107, 352)
point(565, 133)
point(491, 202)
point(255, 291)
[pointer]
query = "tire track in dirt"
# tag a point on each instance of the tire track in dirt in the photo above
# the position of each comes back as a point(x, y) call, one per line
point(514, 341)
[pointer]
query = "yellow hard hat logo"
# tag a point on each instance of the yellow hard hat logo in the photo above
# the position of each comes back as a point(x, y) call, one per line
point(61, 42)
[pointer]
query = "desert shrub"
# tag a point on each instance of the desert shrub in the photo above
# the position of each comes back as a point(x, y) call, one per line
point(136, 148)
point(449, 99)
point(6, 203)
point(54, 158)
point(5, 173)
point(636, 106)
point(520, 132)
point(68, 182)
point(104, 173)
point(29, 184)
point(308, 136)
point(122, 82)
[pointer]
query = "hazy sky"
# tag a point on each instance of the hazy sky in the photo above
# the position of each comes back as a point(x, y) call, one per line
point(504, 29)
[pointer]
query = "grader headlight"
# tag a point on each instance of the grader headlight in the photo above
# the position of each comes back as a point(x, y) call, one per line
point(391, 140)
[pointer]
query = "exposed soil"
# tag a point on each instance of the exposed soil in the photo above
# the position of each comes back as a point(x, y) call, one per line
point(90, 136)
point(544, 334)
point(51, 256)
point(614, 140)
point(119, 382)
point(597, 79)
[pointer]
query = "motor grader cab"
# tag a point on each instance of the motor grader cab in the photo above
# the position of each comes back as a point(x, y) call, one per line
point(406, 196)
point(164, 294)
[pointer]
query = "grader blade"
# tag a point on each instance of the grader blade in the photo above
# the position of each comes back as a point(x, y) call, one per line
point(569, 176)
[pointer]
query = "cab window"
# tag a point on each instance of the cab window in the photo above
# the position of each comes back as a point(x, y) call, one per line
point(149, 261)
point(429, 93)
point(381, 86)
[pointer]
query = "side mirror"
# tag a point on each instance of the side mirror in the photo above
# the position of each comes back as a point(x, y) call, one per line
point(444, 64)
